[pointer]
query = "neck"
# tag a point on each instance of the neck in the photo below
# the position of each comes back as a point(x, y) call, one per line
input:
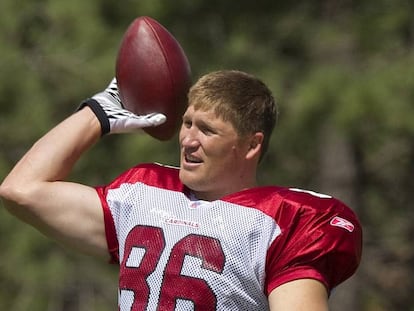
point(220, 193)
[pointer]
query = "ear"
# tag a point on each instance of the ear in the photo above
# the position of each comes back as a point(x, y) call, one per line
point(255, 146)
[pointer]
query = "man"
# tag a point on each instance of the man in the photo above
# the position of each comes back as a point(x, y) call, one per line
point(201, 237)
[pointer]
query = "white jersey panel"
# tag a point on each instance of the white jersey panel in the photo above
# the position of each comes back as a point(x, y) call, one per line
point(182, 249)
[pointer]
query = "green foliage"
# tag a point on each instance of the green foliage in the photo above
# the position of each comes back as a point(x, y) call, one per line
point(335, 66)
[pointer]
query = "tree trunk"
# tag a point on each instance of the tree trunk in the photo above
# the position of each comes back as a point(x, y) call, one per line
point(337, 178)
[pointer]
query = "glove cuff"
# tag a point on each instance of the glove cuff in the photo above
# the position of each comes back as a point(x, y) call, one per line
point(99, 112)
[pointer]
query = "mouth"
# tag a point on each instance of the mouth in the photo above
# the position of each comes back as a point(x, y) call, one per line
point(192, 159)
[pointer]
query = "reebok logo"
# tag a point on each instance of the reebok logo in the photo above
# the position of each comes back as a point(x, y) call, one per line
point(342, 223)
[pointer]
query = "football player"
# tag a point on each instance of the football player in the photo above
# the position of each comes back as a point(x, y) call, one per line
point(204, 236)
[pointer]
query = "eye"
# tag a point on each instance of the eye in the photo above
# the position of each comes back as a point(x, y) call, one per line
point(187, 123)
point(207, 130)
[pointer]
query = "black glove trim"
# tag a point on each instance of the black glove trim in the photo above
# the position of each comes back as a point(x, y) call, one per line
point(99, 112)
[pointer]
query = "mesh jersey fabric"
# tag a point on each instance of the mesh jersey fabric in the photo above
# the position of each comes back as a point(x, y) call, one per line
point(179, 253)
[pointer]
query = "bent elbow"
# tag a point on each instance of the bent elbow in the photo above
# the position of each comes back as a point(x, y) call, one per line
point(13, 195)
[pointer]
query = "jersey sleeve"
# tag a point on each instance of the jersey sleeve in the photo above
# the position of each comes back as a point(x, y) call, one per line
point(110, 231)
point(112, 210)
point(321, 238)
point(149, 173)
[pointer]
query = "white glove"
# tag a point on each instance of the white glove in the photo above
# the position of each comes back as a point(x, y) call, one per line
point(114, 119)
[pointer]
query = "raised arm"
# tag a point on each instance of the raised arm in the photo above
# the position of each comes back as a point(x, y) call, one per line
point(35, 190)
point(35, 193)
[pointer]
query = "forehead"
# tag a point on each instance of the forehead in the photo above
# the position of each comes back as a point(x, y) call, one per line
point(206, 112)
point(207, 117)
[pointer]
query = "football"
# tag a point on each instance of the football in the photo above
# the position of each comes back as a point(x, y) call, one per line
point(153, 74)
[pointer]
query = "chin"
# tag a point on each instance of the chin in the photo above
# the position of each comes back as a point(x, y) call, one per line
point(184, 178)
point(189, 181)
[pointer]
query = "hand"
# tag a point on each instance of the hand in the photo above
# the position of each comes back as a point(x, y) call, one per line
point(112, 116)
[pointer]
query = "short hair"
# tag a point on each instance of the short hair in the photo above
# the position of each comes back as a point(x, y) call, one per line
point(240, 98)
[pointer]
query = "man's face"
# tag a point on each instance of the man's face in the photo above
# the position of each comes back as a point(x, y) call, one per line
point(212, 154)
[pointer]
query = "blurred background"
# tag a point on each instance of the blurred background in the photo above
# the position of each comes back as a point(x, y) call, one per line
point(341, 70)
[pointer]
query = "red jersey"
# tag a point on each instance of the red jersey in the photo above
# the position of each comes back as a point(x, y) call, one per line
point(179, 253)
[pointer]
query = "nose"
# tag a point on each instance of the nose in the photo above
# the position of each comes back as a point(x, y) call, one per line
point(188, 137)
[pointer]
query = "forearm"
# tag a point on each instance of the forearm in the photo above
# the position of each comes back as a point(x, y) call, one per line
point(35, 190)
point(53, 156)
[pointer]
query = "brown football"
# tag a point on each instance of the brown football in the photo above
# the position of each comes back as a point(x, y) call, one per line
point(153, 74)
